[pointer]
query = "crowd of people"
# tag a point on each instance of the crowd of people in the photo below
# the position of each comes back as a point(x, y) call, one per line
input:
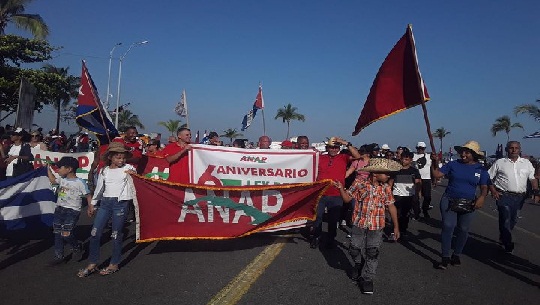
point(373, 189)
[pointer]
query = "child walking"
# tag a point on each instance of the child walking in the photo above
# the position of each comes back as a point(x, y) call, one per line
point(113, 192)
point(372, 196)
point(71, 190)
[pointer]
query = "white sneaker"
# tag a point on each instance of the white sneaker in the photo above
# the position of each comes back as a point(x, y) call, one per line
point(343, 223)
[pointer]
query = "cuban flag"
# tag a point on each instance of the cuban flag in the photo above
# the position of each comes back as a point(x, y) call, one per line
point(91, 115)
point(258, 104)
point(535, 135)
point(27, 201)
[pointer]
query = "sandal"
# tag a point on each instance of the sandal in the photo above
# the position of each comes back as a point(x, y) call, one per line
point(86, 272)
point(108, 271)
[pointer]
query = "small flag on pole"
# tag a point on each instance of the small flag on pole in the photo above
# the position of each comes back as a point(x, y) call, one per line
point(258, 104)
point(397, 86)
point(181, 107)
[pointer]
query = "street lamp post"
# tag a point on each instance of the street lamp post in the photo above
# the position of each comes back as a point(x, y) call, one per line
point(120, 77)
point(109, 78)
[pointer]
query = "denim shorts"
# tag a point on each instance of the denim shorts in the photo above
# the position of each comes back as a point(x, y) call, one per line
point(65, 219)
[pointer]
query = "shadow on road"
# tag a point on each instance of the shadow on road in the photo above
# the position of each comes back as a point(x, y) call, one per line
point(489, 252)
point(21, 245)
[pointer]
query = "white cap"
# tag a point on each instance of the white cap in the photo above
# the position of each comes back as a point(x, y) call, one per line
point(385, 147)
point(421, 144)
point(18, 130)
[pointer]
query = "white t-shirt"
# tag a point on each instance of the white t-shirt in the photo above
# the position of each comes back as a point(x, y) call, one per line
point(15, 150)
point(113, 182)
point(425, 170)
point(70, 192)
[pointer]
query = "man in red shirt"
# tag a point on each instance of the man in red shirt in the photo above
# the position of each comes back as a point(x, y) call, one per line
point(177, 155)
point(332, 165)
point(134, 144)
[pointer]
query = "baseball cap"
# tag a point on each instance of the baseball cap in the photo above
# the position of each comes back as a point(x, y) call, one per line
point(68, 162)
point(421, 144)
point(212, 134)
point(287, 144)
point(385, 146)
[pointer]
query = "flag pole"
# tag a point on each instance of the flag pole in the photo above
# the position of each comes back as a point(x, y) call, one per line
point(264, 126)
point(185, 105)
point(421, 88)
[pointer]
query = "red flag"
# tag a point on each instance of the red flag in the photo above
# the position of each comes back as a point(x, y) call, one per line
point(259, 101)
point(397, 86)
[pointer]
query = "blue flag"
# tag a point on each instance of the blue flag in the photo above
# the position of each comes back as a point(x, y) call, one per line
point(27, 201)
point(91, 115)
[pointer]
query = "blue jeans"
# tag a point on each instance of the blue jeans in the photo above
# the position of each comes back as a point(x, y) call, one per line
point(64, 222)
point(450, 220)
point(333, 206)
point(508, 206)
point(109, 207)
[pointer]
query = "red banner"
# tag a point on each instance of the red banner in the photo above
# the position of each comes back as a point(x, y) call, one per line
point(155, 167)
point(168, 211)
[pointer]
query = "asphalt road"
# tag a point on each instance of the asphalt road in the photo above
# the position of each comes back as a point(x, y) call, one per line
point(282, 269)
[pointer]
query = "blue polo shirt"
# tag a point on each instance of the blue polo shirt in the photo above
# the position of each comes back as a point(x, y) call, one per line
point(463, 179)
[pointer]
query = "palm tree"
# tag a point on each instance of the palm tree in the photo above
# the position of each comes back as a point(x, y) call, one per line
point(126, 118)
point(62, 101)
point(231, 134)
point(171, 125)
point(504, 124)
point(288, 113)
point(440, 133)
point(530, 109)
point(12, 11)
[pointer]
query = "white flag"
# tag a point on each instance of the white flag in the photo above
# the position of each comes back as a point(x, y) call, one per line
point(181, 107)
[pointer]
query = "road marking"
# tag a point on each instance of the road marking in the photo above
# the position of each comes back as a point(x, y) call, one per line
point(497, 219)
point(234, 291)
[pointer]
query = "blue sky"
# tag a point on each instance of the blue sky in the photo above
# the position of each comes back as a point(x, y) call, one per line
point(479, 60)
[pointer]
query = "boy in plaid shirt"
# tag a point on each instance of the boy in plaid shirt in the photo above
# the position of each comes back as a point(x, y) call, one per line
point(372, 197)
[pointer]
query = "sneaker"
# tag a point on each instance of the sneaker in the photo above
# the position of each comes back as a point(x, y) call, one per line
point(444, 263)
point(392, 237)
point(343, 223)
point(314, 244)
point(455, 261)
point(509, 249)
point(56, 261)
point(366, 287)
point(77, 252)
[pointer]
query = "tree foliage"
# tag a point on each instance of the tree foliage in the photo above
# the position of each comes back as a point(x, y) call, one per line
point(231, 134)
point(12, 12)
point(126, 119)
point(171, 126)
point(440, 133)
point(529, 109)
point(15, 54)
point(503, 123)
point(288, 113)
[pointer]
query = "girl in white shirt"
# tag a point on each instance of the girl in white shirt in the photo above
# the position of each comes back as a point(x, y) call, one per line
point(114, 193)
